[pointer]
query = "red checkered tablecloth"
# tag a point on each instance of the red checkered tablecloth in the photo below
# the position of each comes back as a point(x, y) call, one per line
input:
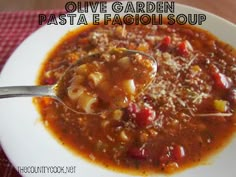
point(14, 28)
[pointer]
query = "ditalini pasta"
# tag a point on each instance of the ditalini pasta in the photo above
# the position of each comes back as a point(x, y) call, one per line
point(86, 101)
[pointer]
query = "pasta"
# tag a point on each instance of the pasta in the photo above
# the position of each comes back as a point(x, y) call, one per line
point(86, 102)
point(75, 91)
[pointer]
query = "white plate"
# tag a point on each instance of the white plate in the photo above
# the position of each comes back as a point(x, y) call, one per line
point(27, 143)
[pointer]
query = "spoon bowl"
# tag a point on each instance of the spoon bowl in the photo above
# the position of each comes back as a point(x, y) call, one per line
point(90, 100)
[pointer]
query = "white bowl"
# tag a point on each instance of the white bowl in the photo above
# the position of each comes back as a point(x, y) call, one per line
point(28, 144)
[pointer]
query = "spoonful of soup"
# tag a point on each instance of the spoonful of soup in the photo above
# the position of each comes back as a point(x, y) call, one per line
point(98, 82)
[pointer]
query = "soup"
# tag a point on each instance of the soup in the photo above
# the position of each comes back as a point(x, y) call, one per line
point(184, 116)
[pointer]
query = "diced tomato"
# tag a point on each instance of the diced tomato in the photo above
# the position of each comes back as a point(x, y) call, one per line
point(178, 152)
point(182, 49)
point(145, 117)
point(222, 81)
point(165, 43)
point(173, 153)
point(141, 116)
point(137, 153)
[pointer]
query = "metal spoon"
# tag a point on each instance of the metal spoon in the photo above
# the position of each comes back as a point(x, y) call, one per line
point(53, 91)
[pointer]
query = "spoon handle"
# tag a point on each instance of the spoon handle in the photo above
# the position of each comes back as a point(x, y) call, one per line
point(23, 91)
